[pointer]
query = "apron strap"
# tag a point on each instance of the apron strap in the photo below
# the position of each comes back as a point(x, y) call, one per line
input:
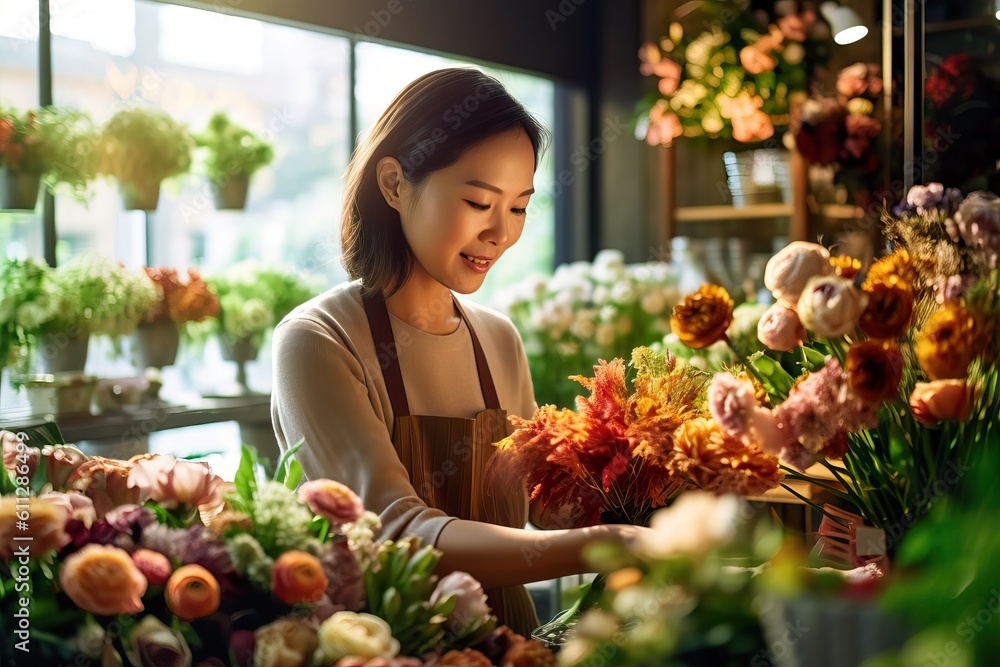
point(385, 348)
point(385, 344)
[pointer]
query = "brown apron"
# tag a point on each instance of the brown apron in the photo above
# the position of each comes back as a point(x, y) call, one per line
point(446, 458)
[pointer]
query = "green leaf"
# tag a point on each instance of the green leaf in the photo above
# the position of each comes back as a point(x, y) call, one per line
point(246, 478)
point(392, 601)
point(281, 471)
point(294, 474)
point(775, 379)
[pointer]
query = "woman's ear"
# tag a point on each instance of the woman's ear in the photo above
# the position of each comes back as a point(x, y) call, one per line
point(389, 174)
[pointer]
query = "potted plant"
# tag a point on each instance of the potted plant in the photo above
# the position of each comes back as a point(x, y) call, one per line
point(142, 147)
point(50, 145)
point(232, 155)
point(158, 335)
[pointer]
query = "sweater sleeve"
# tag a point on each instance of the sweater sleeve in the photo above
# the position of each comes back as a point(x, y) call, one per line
point(321, 398)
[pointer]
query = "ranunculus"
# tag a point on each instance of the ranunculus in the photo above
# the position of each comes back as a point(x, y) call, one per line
point(105, 481)
point(153, 565)
point(780, 328)
point(889, 309)
point(696, 523)
point(77, 505)
point(298, 577)
point(941, 400)
point(103, 580)
point(364, 635)
point(703, 317)
point(874, 369)
point(830, 305)
point(287, 642)
point(787, 273)
point(173, 482)
point(471, 609)
point(192, 592)
point(153, 644)
point(944, 346)
point(43, 521)
point(331, 500)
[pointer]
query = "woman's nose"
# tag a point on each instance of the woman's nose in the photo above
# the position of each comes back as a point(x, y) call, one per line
point(496, 233)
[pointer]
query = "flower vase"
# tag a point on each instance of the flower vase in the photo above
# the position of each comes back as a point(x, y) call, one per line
point(239, 350)
point(61, 352)
point(18, 190)
point(140, 196)
point(232, 194)
point(156, 343)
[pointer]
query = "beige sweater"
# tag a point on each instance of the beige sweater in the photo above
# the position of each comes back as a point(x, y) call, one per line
point(329, 390)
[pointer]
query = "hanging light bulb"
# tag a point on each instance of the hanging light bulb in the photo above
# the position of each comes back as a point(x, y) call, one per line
point(845, 24)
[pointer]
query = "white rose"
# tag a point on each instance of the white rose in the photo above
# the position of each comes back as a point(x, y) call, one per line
point(697, 522)
point(363, 635)
point(830, 306)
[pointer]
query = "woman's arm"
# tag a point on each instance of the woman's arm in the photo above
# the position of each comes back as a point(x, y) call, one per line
point(500, 556)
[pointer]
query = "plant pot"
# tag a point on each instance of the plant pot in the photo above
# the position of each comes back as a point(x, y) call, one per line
point(18, 190)
point(140, 196)
point(61, 352)
point(232, 195)
point(156, 344)
point(240, 350)
point(59, 393)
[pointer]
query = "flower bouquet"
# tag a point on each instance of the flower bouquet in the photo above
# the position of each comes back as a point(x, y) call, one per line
point(155, 562)
point(889, 379)
point(588, 311)
point(182, 301)
point(233, 154)
point(734, 79)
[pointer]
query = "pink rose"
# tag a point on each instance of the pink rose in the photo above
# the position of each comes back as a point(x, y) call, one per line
point(941, 400)
point(331, 500)
point(174, 482)
point(780, 328)
point(471, 608)
point(61, 461)
point(787, 273)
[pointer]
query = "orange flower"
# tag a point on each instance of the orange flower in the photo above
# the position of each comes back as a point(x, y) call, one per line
point(298, 577)
point(755, 60)
point(874, 369)
point(845, 266)
point(941, 400)
point(103, 580)
point(105, 481)
point(192, 592)
point(703, 317)
point(898, 265)
point(716, 462)
point(944, 347)
point(889, 310)
point(46, 522)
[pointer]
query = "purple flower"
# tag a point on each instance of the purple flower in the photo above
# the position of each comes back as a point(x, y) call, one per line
point(731, 402)
point(170, 542)
point(128, 518)
point(203, 547)
point(925, 197)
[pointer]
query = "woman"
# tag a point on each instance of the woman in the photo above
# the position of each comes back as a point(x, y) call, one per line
point(397, 389)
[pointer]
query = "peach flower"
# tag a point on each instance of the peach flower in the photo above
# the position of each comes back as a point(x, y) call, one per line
point(664, 126)
point(174, 482)
point(61, 461)
point(44, 522)
point(192, 592)
point(153, 565)
point(331, 500)
point(103, 580)
point(298, 577)
point(941, 400)
point(787, 273)
point(105, 481)
point(77, 505)
point(780, 328)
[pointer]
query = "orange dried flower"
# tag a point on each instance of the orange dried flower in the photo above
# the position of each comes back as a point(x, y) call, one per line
point(845, 266)
point(891, 269)
point(717, 462)
point(945, 346)
point(703, 317)
point(889, 310)
point(874, 369)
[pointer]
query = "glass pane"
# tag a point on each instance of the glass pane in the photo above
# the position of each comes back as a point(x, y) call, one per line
point(384, 70)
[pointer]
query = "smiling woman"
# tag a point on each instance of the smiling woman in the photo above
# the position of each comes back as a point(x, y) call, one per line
point(396, 387)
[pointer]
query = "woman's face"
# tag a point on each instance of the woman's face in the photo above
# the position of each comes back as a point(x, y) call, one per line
point(463, 217)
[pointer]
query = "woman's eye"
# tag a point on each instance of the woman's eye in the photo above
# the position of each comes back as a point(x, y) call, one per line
point(519, 211)
point(478, 207)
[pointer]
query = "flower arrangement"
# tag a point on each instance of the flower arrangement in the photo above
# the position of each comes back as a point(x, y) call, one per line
point(232, 153)
point(190, 300)
point(26, 302)
point(890, 378)
point(621, 455)
point(157, 561)
point(141, 147)
point(740, 335)
point(734, 79)
point(58, 145)
point(841, 130)
point(587, 311)
point(253, 298)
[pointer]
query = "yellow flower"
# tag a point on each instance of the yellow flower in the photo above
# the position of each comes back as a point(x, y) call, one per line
point(703, 317)
point(944, 347)
point(891, 269)
point(845, 266)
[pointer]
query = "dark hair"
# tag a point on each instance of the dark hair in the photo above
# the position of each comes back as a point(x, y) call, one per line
point(427, 127)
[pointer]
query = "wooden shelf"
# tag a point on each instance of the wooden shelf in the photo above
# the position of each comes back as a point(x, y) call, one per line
point(759, 211)
point(962, 24)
